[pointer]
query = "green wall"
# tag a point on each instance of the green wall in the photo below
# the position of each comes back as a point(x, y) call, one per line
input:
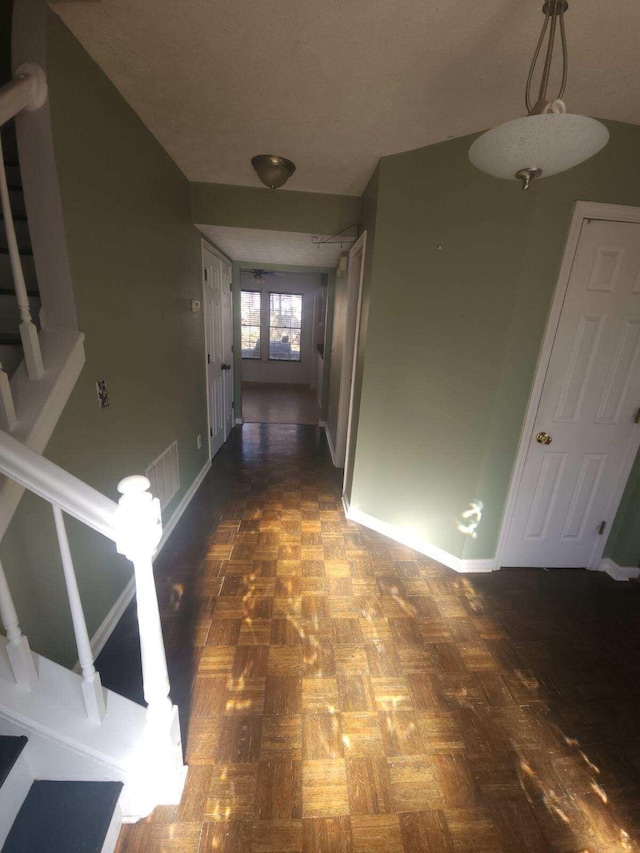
point(282, 210)
point(463, 271)
point(135, 259)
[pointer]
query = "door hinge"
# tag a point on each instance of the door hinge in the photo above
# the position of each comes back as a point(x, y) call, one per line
point(208, 358)
point(602, 527)
point(233, 404)
point(211, 431)
point(636, 420)
point(231, 349)
point(205, 273)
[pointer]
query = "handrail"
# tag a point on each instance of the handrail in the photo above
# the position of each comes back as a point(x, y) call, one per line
point(26, 91)
point(56, 485)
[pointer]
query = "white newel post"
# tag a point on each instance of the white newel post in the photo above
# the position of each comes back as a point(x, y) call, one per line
point(91, 684)
point(18, 650)
point(138, 531)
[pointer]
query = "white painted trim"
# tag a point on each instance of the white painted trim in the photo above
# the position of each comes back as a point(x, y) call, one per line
point(350, 351)
point(618, 573)
point(99, 639)
point(332, 449)
point(406, 537)
point(582, 210)
point(39, 405)
point(239, 421)
point(178, 512)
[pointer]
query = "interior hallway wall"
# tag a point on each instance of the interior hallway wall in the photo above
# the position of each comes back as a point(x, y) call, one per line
point(463, 272)
point(135, 260)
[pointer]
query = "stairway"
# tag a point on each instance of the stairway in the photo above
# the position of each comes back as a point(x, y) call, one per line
point(50, 816)
point(10, 344)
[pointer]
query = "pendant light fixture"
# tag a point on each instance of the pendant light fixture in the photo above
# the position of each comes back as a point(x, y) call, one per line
point(272, 170)
point(548, 140)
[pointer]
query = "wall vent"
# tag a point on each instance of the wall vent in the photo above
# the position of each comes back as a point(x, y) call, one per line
point(164, 475)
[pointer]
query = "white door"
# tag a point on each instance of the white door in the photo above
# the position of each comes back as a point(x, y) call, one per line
point(585, 434)
point(218, 325)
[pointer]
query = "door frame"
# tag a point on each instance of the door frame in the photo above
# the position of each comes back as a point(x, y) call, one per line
point(206, 246)
point(351, 346)
point(582, 210)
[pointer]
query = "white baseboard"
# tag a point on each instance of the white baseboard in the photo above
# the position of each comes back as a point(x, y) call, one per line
point(412, 541)
point(239, 421)
point(618, 573)
point(99, 639)
point(176, 515)
point(332, 451)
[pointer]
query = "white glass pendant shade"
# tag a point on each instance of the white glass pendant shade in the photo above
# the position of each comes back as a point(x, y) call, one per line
point(551, 142)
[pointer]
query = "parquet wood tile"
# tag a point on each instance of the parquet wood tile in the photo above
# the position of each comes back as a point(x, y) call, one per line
point(339, 692)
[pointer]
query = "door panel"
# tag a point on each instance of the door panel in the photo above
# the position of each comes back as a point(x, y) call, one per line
point(589, 400)
point(218, 336)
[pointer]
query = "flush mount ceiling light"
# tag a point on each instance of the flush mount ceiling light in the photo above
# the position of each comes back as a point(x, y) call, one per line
point(273, 171)
point(548, 140)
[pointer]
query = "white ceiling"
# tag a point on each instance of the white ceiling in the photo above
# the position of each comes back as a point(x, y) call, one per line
point(273, 247)
point(335, 84)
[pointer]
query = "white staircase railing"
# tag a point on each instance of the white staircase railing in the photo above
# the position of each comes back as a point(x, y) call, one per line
point(134, 525)
point(27, 91)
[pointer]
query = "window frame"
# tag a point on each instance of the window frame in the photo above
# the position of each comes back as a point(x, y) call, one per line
point(252, 325)
point(300, 327)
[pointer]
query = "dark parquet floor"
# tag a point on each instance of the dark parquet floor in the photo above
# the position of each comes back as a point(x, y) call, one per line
point(340, 693)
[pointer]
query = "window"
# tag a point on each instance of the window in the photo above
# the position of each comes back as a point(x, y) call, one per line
point(285, 324)
point(250, 323)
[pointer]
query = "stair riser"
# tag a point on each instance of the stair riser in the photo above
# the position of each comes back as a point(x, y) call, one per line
point(13, 792)
point(22, 235)
point(28, 270)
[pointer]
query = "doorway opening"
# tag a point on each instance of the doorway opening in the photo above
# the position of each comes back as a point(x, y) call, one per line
point(282, 332)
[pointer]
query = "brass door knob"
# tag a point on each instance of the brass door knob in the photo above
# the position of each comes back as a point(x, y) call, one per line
point(543, 438)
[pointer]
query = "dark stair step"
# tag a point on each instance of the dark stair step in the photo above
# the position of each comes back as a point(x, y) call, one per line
point(27, 252)
point(17, 217)
point(64, 817)
point(10, 749)
point(8, 340)
point(9, 291)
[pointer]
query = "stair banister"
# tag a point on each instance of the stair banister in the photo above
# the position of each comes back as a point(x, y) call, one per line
point(27, 91)
point(56, 485)
point(28, 331)
point(18, 649)
point(91, 684)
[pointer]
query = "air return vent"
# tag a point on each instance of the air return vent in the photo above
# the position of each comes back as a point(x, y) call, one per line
point(164, 475)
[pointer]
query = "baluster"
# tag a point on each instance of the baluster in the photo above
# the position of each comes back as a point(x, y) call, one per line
point(8, 419)
point(138, 532)
point(28, 332)
point(20, 656)
point(91, 684)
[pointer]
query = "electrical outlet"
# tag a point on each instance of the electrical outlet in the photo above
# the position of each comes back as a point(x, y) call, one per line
point(199, 441)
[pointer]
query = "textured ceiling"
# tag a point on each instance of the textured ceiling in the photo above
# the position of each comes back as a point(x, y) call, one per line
point(273, 247)
point(335, 84)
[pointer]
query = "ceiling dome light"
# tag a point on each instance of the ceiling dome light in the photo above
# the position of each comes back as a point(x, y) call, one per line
point(272, 170)
point(548, 140)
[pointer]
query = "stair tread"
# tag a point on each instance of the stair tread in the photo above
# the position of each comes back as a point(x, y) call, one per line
point(10, 749)
point(7, 339)
point(64, 817)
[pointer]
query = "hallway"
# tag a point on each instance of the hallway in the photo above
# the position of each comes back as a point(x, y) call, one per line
point(279, 403)
point(340, 693)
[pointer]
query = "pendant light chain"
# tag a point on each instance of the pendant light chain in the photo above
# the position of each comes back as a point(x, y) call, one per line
point(553, 10)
